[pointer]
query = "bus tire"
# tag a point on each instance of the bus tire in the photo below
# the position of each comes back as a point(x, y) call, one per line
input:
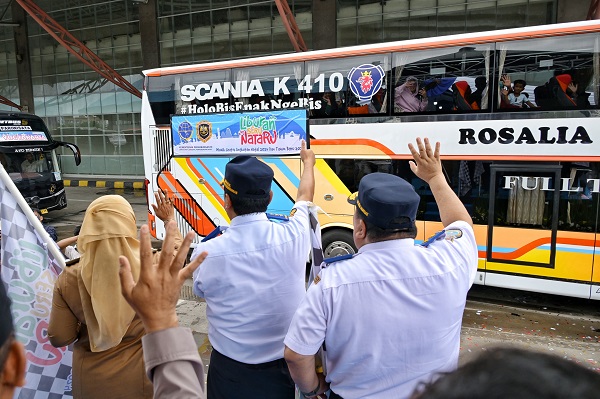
point(338, 242)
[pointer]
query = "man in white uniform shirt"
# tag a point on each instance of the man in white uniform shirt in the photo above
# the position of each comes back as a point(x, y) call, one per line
point(30, 164)
point(389, 317)
point(253, 280)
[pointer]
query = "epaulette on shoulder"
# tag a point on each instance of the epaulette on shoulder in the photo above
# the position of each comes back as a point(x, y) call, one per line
point(334, 259)
point(437, 236)
point(277, 217)
point(453, 234)
point(216, 232)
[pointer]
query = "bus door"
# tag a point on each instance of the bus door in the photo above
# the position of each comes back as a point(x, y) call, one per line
point(522, 227)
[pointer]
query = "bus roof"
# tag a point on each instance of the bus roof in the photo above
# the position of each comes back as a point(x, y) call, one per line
point(532, 32)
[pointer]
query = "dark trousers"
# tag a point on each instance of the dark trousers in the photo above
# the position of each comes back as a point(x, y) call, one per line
point(334, 395)
point(230, 379)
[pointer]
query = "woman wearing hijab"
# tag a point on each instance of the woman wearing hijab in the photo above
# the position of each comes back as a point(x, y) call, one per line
point(88, 308)
point(409, 98)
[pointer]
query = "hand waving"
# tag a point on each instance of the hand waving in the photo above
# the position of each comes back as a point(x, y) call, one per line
point(154, 296)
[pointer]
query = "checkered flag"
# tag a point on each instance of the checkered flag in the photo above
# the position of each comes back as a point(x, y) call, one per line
point(317, 246)
point(31, 262)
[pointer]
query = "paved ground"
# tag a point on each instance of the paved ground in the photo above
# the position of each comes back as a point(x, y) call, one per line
point(571, 335)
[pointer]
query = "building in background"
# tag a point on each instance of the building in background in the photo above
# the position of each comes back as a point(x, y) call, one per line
point(82, 107)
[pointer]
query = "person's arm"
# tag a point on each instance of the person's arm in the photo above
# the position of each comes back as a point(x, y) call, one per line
point(504, 95)
point(63, 327)
point(65, 242)
point(165, 211)
point(174, 365)
point(306, 188)
point(303, 371)
point(530, 104)
point(428, 167)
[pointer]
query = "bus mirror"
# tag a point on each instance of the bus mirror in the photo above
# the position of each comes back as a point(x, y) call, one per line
point(75, 150)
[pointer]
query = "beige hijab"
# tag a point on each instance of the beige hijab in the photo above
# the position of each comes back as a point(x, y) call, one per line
point(108, 231)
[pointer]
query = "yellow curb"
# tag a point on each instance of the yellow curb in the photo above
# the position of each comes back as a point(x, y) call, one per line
point(83, 183)
point(119, 184)
point(100, 184)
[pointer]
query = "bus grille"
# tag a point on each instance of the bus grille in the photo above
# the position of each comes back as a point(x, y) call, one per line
point(164, 148)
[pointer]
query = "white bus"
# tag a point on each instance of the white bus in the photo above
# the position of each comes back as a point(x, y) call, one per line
point(515, 111)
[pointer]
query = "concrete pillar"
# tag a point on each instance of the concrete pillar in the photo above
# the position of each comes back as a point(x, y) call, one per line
point(324, 32)
point(149, 34)
point(22, 56)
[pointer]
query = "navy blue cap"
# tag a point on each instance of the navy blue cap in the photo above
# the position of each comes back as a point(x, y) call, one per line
point(6, 321)
point(387, 201)
point(248, 177)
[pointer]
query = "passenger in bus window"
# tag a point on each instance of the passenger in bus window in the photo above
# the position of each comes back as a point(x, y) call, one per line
point(561, 92)
point(514, 96)
point(377, 104)
point(409, 98)
point(480, 93)
point(330, 107)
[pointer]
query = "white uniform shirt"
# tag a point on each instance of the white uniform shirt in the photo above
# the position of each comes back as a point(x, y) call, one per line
point(390, 316)
point(253, 281)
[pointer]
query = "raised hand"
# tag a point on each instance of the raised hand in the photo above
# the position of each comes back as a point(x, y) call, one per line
point(154, 296)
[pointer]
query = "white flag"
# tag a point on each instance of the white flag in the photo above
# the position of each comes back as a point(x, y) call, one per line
point(31, 263)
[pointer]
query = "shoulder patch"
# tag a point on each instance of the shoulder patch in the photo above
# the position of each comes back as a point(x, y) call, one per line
point(317, 279)
point(453, 234)
point(277, 217)
point(293, 212)
point(334, 259)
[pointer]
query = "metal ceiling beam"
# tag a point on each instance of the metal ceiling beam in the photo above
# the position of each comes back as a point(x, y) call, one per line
point(6, 101)
point(290, 25)
point(75, 47)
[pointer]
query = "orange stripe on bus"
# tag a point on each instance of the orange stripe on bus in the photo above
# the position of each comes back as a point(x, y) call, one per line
point(367, 142)
point(208, 186)
point(196, 217)
point(539, 242)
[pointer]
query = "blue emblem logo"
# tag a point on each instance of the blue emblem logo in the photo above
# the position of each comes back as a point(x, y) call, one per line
point(185, 130)
point(366, 80)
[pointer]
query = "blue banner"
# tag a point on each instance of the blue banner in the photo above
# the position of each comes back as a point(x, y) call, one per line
point(251, 133)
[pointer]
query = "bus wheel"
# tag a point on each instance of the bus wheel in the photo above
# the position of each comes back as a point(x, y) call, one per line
point(338, 242)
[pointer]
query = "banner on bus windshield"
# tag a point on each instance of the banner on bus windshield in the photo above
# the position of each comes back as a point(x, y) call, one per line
point(16, 130)
point(251, 133)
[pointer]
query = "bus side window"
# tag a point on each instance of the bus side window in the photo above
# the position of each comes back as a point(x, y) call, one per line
point(446, 80)
point(550, 74)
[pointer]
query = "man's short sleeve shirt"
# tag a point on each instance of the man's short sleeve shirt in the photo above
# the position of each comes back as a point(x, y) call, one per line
point(253, 281)
point(390, 316)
